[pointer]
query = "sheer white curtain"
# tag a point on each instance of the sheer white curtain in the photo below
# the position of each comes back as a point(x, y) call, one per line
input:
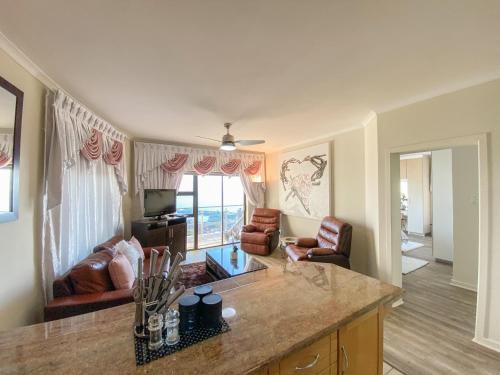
point(82, 196)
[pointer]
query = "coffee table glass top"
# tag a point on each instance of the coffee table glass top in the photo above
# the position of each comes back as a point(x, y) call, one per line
point(243, 263)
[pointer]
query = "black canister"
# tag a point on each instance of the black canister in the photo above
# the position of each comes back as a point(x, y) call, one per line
point(211, 311)
point(203, 290)
point(188, 313)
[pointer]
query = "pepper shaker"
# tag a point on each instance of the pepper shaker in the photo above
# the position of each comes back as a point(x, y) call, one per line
point(155, 325)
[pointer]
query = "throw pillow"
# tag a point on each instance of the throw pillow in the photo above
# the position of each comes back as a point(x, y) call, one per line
point(135, 242)
point(130, 252)
point(121, 272)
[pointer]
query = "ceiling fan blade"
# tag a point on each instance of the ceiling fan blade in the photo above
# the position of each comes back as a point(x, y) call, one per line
point(249, 142)
point(210, 139)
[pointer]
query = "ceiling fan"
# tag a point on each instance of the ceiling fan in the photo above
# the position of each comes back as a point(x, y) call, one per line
point(229, 144)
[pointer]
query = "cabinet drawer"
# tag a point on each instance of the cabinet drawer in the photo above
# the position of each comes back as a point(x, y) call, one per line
point(311, 360)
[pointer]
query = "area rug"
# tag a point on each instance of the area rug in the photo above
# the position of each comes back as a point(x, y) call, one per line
point(194, 274)
point(412, 264)
point(409, 245)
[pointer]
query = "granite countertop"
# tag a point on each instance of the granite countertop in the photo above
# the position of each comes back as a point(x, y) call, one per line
point(278, 310)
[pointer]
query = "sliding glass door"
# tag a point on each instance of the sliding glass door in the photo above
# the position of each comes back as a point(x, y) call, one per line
point(209, 211)
point(216, 208)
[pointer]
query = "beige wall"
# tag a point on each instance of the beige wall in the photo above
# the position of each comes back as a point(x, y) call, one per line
point(465, 216)
point(442, 205)
point(466, 112)
point(347, 193)
point(20, 289)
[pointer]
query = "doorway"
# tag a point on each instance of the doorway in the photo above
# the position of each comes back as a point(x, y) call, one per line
point(439, 319)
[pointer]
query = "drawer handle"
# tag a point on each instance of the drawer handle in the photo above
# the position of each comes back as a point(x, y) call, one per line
point(310, 365)
point(346, 359)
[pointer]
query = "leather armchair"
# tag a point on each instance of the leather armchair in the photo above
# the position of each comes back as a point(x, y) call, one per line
point(331, 245)
point(67, 302)
point(261, 236)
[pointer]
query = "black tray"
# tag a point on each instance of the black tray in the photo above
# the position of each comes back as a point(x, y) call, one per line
point(143, 355)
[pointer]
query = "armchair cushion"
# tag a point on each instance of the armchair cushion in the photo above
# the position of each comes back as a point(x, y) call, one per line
point(296, 253)
point(319, 251)
point(249, 228)
point(256, 238)
point(306, 242)
point(269, 230)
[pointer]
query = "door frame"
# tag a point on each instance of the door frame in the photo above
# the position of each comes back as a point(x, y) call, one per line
point(391, 257)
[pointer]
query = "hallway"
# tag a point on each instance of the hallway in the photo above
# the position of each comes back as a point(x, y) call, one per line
point(431, 333)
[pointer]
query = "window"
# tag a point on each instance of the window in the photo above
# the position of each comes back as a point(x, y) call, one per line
point(216, 208)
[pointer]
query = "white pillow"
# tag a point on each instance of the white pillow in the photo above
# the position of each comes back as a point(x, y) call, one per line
point(131, 253)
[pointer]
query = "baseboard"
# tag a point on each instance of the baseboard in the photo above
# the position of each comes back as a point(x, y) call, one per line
point(463, 285)
point(487, 343)
point(399, 302)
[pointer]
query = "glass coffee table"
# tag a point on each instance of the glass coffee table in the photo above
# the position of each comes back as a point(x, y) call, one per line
point(222, 265)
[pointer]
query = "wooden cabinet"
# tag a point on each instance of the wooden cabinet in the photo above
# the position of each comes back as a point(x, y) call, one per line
point(171, 233)
point(355, 349)
point(360, 346)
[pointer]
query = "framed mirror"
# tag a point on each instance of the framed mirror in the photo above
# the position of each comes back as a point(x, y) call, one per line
point(11, 112)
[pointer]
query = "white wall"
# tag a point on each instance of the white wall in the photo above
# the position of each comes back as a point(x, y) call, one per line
point(474, 110)
point(347, 195)
point(442, 205)
point(465, 216)
point(21, 300)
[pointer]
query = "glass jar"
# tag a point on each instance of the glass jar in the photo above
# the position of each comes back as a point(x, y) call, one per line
point(172, 327)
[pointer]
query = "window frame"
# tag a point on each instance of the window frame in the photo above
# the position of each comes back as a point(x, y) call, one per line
point(194, 215)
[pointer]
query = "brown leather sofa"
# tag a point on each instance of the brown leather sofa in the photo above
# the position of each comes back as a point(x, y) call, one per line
point(68, 297)
point(261, 236)
point(331, 245)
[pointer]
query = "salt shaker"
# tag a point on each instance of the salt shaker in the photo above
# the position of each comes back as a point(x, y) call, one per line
point(172, 326)
point(155, 325)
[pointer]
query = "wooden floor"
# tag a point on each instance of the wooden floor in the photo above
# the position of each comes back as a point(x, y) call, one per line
point(431, 333)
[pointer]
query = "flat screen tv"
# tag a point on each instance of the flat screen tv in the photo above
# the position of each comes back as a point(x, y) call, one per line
point(158, 202)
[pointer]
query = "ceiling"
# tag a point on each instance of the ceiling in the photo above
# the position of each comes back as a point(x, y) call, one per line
point(282, 70)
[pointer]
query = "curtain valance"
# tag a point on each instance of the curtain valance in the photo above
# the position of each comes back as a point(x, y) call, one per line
point(177, 160)
point(77, 132)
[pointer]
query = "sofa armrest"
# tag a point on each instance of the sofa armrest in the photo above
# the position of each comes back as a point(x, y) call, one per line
point(319, 251)
point(306, 242)
point(249, 228)
point(147, 250)
point(77, 304)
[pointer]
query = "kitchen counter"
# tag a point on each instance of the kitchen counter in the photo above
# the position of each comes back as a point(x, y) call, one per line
point(278, 311)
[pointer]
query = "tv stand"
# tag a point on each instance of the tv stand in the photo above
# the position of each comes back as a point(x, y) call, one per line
point(163, 231)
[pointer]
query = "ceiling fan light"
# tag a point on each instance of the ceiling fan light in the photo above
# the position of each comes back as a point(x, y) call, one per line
point(228, 146)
